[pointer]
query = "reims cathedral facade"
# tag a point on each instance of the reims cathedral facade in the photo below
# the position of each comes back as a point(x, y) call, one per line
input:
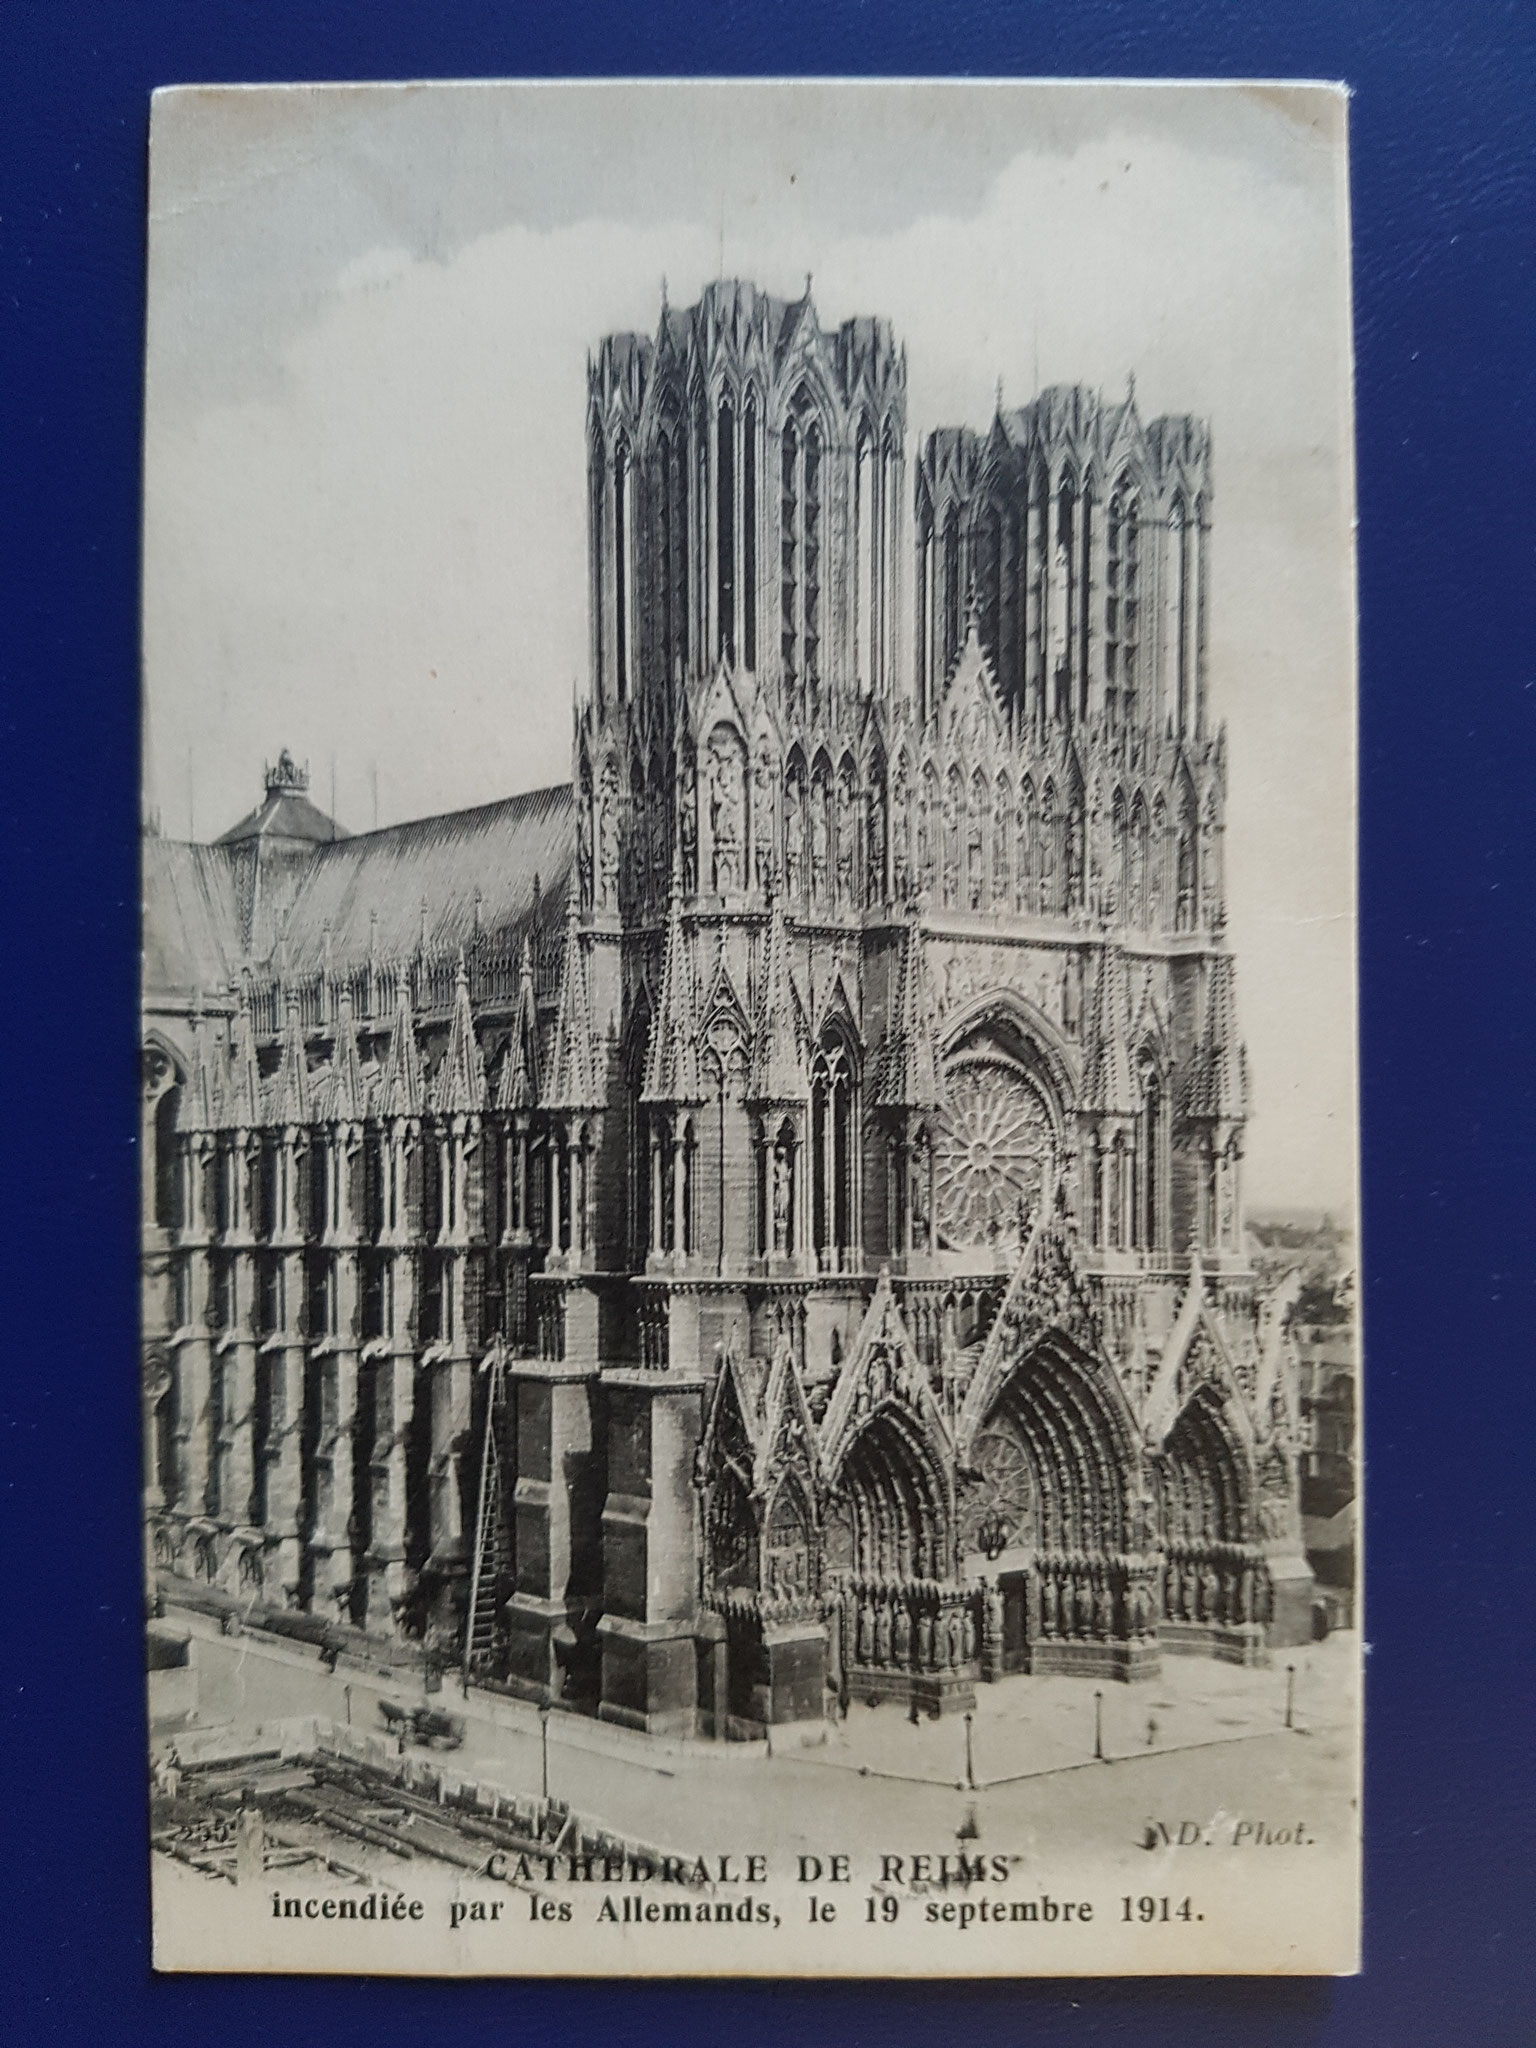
point(764, 1219)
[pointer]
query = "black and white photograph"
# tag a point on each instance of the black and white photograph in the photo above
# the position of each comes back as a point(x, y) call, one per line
point(749, 1105)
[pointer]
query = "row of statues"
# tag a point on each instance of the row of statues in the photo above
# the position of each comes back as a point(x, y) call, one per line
point(828, 841)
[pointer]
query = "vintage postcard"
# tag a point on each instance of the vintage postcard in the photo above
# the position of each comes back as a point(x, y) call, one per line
point(749, 1114)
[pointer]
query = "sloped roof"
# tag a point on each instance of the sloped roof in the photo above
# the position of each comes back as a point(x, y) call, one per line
point(284, 814)
point(191, 926)
point(373, 886)
point(369, 889)
point(1331, 1532)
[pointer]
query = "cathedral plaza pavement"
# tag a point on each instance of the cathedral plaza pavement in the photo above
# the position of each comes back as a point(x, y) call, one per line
point(1200, 1742)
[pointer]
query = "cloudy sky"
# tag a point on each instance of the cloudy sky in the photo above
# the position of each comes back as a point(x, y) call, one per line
point(369, 316)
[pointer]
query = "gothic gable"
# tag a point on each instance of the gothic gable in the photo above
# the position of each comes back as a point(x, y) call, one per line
point(1195, 1356)
point(723, 1015)
point(1276, 1353)
point(459, 1085)
point(734, 1431)
point(518, 1083)
point(839, 1010)
point(719, 703)
point(788, 1442)
point(343, 1092)
point(1046, 1297)
point(881, 1371)
point(973, 718)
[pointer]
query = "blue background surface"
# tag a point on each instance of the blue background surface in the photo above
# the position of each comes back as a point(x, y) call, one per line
point(1444, 209)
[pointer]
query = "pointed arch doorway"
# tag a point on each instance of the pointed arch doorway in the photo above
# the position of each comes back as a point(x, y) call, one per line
point(901, 1625)
point(1046, 1520)
point(1217, 1595)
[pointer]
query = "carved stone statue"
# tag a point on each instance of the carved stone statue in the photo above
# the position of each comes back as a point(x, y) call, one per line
point(992, 1617)
point(875, 881)
point(1061, 579)
point(820, 803)
point(1210, 1594)
point(847, 842)
point(919, 1197)
point(762, 819)
point(782, 1172)
point(724, 785)
point(607, 839)
point(901, 1638)
point(794, 828)
point(924, 1640)
point(688, 824)
point(584, 849)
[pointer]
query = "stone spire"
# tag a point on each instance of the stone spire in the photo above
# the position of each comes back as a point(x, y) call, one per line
point(459, 1085)
point(779, 1042)
point(199, 1105)
point(518, 1085)
point(292, 1090)
point(910, 1076)
point(1219, 1084)
point(1109, 1087)
point(573, 1068)
point(346, 1095)
point(404, 1091)
point(672, 1065)
point(242, 1091)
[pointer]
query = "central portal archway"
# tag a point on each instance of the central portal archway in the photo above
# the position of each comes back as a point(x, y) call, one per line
point(1044, 1507)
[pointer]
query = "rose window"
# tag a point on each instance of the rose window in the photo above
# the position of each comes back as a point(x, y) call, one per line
point(994, 1159)
point(998, 1509)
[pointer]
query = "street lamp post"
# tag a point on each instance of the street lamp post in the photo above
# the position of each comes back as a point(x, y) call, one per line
point(970, 1768)
point(1098, 1725)
point(1290, 1695)
point(544, 1747)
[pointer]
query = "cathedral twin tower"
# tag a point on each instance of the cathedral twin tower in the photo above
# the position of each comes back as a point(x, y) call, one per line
point(822, 1263)
point(993, 731)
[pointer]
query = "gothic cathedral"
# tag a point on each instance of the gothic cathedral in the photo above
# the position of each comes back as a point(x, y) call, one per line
point(764, 1221)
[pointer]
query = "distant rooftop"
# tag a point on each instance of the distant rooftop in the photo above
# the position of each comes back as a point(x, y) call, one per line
point(286, 811)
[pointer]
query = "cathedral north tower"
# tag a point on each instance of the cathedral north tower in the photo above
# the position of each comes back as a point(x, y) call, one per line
point(746, 471)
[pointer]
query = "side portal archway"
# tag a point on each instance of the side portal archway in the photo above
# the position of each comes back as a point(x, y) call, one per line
point(902, 1625)
point(1216, 1590)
